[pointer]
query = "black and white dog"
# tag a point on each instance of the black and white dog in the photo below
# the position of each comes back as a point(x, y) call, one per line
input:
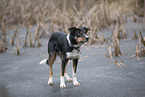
point(67, 46)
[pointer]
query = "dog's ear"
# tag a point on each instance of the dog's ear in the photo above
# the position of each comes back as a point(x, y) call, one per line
point(86, 29)
point(72, 30)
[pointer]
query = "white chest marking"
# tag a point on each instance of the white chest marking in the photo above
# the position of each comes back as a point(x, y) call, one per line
point(73, 55)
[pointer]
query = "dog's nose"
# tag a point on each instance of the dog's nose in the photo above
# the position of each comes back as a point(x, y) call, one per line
point(87, 39)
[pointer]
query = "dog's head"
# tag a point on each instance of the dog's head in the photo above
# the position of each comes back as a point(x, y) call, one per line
point(78, 35)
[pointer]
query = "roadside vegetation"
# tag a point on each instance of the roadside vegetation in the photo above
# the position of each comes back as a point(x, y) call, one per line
point(58, 15)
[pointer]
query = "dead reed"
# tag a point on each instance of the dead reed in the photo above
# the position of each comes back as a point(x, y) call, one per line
point(14, 36)
point(140, 48)
point(142, 44)
point(61, 14)
point(135, 35)
point(3, 48)
point(114, 48)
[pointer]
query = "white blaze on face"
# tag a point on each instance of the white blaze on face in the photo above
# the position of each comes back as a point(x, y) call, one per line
point(85, 36)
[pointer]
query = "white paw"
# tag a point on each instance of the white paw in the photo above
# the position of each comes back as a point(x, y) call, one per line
point(50, 82)
point(43, 61)
point(62, 85)
point(62, 82)
point(76, 83)
point(68, 78)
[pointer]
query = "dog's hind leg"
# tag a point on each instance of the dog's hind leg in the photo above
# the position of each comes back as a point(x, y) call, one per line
point(52, 57)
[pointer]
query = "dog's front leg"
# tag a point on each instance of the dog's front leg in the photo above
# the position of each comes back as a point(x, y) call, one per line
point(75, 63)
point(62, 80)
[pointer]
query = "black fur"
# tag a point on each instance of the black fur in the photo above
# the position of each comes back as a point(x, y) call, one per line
point(59, 45)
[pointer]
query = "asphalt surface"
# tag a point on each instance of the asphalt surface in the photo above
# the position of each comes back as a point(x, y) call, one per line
point(99, 76)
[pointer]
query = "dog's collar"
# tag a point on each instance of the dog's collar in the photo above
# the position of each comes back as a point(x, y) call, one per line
point(69, 42)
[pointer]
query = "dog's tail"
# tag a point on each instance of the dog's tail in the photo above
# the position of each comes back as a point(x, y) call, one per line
point(45, 61)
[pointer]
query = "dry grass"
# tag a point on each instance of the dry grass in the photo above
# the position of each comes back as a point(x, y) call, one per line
point(61, 14)
point(140, 48)
point(114, 48)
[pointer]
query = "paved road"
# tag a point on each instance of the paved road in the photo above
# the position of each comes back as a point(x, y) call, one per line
point(22, 76)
